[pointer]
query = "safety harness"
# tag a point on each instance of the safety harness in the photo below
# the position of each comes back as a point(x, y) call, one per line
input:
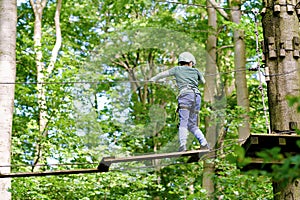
point(192, 108)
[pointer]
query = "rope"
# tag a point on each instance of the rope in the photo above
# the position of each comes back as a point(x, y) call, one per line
point(204, 6)
point(49, 165)
point(259, 75)
point(143, 81)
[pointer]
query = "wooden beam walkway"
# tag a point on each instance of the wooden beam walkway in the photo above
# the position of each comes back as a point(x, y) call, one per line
point(106, 162)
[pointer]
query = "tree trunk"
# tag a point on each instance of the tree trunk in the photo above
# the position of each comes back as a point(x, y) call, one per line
point(8, 23)
point(38, 7)
point(281, 33)
point(43, 72)
point(286, 192)
point(281, 51)
point(208, 177)
point(240, 70)
point(210, 88)
point(210, 92)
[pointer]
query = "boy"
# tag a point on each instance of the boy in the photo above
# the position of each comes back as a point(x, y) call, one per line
point(189, 98)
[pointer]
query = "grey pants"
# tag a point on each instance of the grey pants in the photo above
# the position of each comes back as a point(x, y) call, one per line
point(189, 107)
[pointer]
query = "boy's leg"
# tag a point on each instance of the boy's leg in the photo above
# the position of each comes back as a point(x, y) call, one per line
point(182, 130)
point(184, 102)
point(183, 133)
point(193, 123)
point(200, 137)
point(196, 131)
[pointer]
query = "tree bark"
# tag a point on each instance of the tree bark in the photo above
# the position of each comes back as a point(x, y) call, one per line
point(240, 70)
point(210, 93)
point(281, 30)
point(210, 88)
point(38, 7)
point(286, 192)
point(8, 23)
point(281, 52)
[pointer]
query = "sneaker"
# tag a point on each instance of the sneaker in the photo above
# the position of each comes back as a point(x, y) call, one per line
point(182, 148)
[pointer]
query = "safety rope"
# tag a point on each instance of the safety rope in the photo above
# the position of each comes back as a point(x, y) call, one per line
point(259, 73)
point(105, 82)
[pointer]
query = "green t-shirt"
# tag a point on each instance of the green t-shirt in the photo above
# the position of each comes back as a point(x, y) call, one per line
point(187, 78)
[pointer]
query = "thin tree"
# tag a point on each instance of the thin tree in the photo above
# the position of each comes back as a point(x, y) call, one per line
point(240, 66)
point(44, 71)
point(8, 23)
point(210, 92)
point(239, 62)
point(211, 89)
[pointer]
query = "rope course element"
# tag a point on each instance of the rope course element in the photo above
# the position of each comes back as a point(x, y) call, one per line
point(202, 6)
point(49, 165)
point(259, 75)
point(105, 164)
point(281, 74)
point(138, 81)
point(196, 155)
point(236, 141)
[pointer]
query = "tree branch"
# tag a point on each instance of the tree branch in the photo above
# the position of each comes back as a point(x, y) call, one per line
point(58, 41)
point(219, 9)
point(121, 63)
point(38, 5)
point(33, 6)
point(44, 3)
point(225, 47)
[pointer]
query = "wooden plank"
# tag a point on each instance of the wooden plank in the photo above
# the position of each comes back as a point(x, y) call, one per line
point(262, 161)
point(274, 135)
point(105, 164)
point(261, 164)
point(107, 161)
point(153, 156)
point(47, 173)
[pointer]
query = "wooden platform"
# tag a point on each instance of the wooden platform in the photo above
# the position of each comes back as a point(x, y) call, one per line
point(259, 142)
point(107, 161)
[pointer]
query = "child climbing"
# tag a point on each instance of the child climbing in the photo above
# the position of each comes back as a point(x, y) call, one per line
point(189, 99)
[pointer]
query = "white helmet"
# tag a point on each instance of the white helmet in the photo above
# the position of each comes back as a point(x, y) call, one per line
point(187, 57)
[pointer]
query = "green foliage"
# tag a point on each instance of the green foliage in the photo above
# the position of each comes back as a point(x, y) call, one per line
point(294, 101)
point(180, 179)
point(285, 172)
point(237, 157)
point(231, 184)
point(105, 44)
point(114, 185)
point(257, 114)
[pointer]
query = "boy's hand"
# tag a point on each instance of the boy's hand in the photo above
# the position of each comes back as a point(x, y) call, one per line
point(151, 80)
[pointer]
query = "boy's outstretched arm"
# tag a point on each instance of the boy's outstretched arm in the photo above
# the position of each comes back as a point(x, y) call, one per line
point(160, 76)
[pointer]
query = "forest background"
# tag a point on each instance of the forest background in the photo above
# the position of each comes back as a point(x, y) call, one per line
point(86, 97)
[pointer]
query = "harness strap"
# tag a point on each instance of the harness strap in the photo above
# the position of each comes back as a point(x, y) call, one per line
point(191, 109)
